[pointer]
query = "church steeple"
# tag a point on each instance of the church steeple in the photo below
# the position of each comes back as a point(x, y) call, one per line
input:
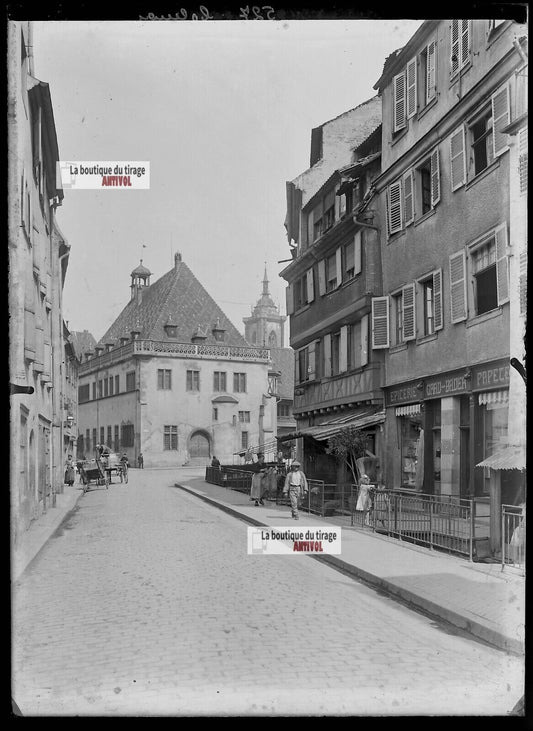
point(265, 282)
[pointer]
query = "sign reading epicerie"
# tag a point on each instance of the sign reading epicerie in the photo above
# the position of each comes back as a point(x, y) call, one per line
point(295, 541)
point(83, 175)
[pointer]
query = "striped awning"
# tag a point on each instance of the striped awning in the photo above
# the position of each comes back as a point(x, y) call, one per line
point(409, 410)
point(322, 432)
point(488, 398)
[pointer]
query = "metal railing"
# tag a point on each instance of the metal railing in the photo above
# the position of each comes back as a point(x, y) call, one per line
point(513, 536)
point(229, 477)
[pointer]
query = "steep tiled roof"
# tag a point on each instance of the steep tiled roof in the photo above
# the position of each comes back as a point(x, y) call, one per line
point(177, 293)
point(283, 361)
point(82, 342)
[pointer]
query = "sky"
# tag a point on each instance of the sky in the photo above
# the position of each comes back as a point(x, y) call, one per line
point(223, 112)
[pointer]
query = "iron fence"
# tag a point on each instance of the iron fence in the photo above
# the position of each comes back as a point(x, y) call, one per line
point(229, 477)
point(513, 536)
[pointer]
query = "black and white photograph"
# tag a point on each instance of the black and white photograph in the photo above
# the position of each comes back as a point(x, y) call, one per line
point(267, 293)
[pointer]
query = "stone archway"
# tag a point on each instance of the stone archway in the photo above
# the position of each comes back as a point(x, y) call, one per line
point(199, 445)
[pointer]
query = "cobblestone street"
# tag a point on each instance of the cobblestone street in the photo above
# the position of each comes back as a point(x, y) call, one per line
point(146, 603)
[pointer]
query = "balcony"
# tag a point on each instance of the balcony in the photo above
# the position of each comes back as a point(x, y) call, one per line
point(359, 385)
point(171, 349)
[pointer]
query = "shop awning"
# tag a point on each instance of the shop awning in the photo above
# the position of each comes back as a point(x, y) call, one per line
point(330, 428)
point(409, 410)
point(488, 398)
point(506, 458)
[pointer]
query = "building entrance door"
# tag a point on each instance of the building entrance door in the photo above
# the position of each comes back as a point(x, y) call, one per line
point(199, 445)
point(43, 475)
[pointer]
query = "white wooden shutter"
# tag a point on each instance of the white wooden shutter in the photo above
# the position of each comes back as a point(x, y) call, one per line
point(327, 355)
point(522, 159)
point(502, 265)
point(364, 340)
point(380, 322)
point(338, 265)
point(522, 282)
point(310, 285)
point(454, 48)
point(465, 42)
point(357, 253)
point(342, 205)
point(431, 83)
point(409, 312)
point(435, 177)
point(289, 296)
point(311, 361)
point(322, 277)
point(500, 118)
point(409, 197)
point(410, 72)
point(343, 350)
point(395, 207)
point(458, 286)
point(399, 102)
point(458, 158)
point(296, 366)
point(438, 322)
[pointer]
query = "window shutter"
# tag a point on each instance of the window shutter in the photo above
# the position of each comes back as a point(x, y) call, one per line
point(458, 158)
point(458, 287)
point(437, 300)
point(435, 177)
point(311, 361)
point(465, 42)
point(431, 85)
point(502, 265)
point(322, 277)
point(395, 207)
point(343, 350)
point(522, 283)
point(364, 340)
point(522, 159)
point(338, 265)
point(454, 48)
point(296, 366)
point(408, 198)
point(411, 88)
point(342, 205)
point(289, 296)
point(357, 253)
point(380, 322)
point(399, 102)
point(327, 355)
point(408, 311)
point(310, 285)
point(500, 118)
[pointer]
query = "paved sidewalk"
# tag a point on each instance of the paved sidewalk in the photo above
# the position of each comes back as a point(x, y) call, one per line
point(477, 598)
point(43, 528)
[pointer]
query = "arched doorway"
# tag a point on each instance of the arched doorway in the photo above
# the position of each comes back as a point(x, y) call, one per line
point(199, 445)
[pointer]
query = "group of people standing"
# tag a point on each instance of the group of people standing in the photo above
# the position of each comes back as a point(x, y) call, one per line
point(265, 480)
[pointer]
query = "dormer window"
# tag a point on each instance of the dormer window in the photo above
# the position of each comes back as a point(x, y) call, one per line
point(170, 327)
point(218, 331)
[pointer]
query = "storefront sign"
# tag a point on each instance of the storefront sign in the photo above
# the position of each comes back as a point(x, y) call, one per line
point(485, 377)
point(490, 376)
point(446, 385)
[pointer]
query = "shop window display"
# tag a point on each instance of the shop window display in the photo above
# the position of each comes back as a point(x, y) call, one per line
point(412, 452)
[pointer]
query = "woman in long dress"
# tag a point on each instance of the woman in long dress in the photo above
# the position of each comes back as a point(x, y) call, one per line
point(257, 489)
point(69, 471)
point(364, 499)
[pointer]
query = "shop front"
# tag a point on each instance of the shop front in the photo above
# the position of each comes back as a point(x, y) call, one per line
point(439, 427)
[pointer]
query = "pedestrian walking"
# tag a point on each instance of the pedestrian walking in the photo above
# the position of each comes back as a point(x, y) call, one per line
point(215, 462)
point(258, 488)
point(69, 471)
point(140, 461)
point(295, 487)
point(124, 463)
